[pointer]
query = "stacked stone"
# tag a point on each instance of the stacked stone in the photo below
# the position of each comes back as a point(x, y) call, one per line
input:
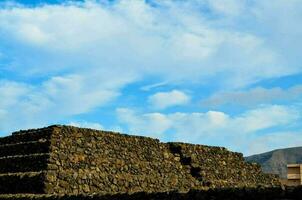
point(85, 161)
point(89, 161)
point(68, 160)
point(291, 193)
point(23, 161)
point(218, 167)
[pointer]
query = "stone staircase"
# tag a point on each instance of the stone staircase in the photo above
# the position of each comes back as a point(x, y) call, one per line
point(23, 162)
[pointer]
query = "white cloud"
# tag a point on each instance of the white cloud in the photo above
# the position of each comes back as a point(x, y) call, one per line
point(174, 41)
point(195, 127)
point(266, 117)
point(162, 100)
point(75, 94)
point(84, 124)
point(274, 140)
point(215, 128)
point(149, 124)
point(11, 92)
point(75, 57)
point(148, 87)
point(28, 106)
point(254, 96)
point(32, 34)
point(228, 7)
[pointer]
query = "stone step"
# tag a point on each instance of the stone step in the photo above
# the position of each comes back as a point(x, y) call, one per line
point(26, 136)
point(17, 183)
point(25, 148)
point(24, 163)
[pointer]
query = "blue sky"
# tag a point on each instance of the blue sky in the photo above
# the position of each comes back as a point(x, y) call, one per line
point(216, 72)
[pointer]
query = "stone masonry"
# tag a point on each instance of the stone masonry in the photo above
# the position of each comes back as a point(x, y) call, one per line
point(69, 160)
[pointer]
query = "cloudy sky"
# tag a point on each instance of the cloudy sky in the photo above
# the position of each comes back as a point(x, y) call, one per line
point(214, 72)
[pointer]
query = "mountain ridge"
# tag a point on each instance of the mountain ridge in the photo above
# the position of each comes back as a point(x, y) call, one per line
point(275, 161)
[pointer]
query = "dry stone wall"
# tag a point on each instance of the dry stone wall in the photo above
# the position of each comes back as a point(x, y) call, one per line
point(85, 161)
point(218, 167)
point(88, 161)
point(23, 161)
point(212, 194)
point(67, 160)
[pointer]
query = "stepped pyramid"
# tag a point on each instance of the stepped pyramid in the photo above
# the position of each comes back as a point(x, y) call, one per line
point(23, 161)
point(69, 160)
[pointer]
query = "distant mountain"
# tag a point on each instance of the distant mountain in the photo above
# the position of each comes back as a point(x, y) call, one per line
point(275, 162)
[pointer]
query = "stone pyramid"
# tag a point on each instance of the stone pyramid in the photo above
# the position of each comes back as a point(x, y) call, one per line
point(69, 160)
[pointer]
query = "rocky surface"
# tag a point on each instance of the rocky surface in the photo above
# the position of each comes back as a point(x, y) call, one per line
point(85, 161)
point(76, 161)
point(218, 167)
point(212, 194)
